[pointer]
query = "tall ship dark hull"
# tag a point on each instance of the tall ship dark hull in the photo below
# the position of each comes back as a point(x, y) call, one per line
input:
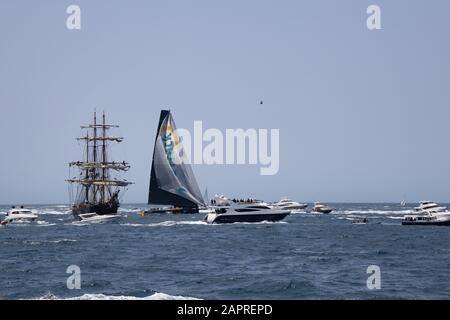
point(100, 209)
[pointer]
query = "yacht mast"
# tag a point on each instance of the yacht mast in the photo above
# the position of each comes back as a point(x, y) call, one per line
point(94, 198)
point(86, 175)
point(103, 158)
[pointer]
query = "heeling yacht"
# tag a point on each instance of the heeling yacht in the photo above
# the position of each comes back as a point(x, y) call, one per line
point(288, 204)
point(428, 213)
point(246, 213)
point(19, 216)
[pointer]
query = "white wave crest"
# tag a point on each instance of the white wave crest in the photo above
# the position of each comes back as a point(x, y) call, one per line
point(100, 296)
point(45, 224)
point(53, 212)
point(381, 212)
point(164, 224)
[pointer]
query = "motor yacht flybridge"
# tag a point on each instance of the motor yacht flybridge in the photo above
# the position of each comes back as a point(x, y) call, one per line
point(98, 186)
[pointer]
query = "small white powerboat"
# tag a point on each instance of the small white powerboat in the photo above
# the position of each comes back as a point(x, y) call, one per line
point(321, 208)
point(19, 216)
point(97, 218)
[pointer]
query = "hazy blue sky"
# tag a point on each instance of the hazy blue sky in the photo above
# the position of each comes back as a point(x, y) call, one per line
point(363, 115)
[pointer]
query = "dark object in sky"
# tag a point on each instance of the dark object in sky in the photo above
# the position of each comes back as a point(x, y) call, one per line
point(261, 102)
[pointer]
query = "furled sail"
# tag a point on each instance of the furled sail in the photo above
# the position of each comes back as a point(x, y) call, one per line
point(172, 180)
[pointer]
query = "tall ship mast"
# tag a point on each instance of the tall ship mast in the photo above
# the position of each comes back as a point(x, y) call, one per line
point(98, 184)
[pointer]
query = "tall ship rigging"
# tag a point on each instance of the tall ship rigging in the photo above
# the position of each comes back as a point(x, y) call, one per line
point(98, 184)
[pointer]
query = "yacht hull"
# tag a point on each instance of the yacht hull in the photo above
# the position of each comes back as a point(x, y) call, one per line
point(245, 217)
point(424, 223)
point(19, 219)
point(323, 211)
point(96, 218)
point(172, 211)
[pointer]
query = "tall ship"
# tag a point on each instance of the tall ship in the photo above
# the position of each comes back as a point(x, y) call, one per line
point(98, 183)
point(172, 181)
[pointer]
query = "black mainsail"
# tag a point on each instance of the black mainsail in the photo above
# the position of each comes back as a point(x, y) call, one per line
point(172, 181)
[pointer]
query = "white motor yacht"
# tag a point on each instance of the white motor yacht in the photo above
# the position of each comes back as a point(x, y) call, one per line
point(288, 204)
point(428, 213)
point(246, 213)
point(97, 218)
point(321, 208)
point(19, 216)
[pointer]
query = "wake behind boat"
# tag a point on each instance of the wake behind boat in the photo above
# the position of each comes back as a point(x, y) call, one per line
point(246, 213)
point(428, 213)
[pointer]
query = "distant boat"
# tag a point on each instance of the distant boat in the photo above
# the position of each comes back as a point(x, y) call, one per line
point(320, 208)
point(172, 181)
point(288, 204)
point(360, 221)
point(97, 190)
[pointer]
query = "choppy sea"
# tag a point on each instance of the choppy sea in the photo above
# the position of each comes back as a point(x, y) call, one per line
point(306, 256)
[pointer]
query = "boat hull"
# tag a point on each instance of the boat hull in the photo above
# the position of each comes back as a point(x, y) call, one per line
point(17, 219)
point(248, 218)
point(323, 211)
point(173, 211)
point(96, 218)
point(100, 209)
point(426, 223)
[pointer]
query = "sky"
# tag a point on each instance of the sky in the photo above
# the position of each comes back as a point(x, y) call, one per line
point(363, 115)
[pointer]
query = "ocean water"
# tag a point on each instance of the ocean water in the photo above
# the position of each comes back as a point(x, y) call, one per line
point(307, 256)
